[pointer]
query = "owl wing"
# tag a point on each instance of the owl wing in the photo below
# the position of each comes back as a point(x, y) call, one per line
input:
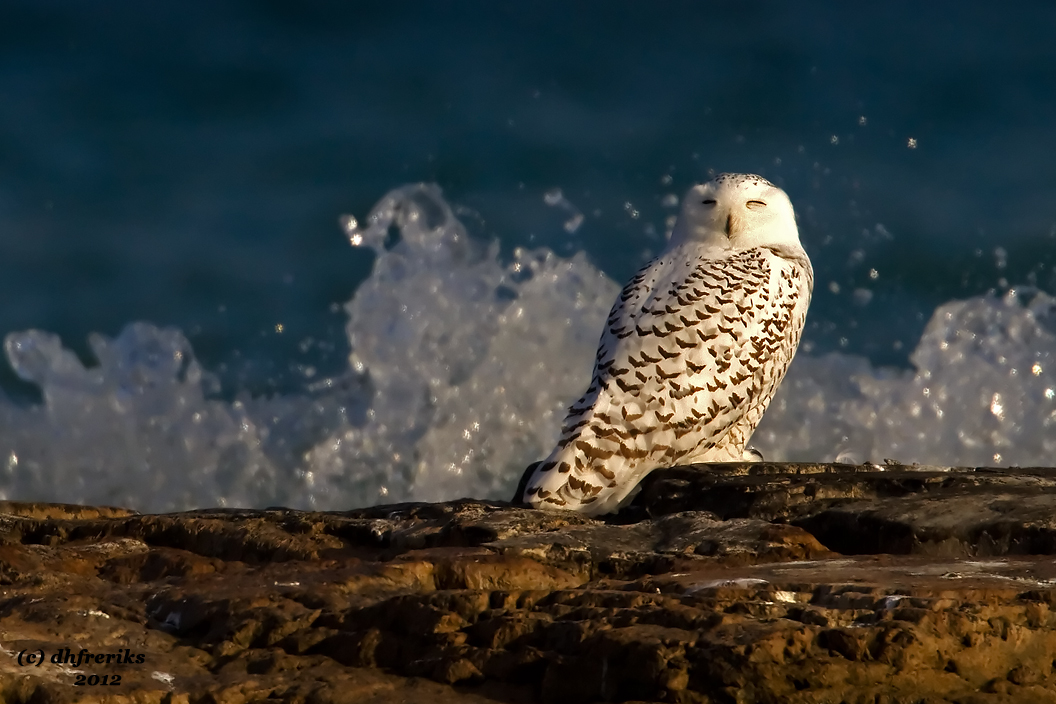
point(691, 354)
point(685, 353)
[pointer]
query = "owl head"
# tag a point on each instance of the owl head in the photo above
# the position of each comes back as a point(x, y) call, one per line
point(736, 211)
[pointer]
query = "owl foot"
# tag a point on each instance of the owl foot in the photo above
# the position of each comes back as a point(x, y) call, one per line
point(750, 454)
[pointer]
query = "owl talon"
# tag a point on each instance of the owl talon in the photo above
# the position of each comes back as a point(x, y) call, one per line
point(750, 454)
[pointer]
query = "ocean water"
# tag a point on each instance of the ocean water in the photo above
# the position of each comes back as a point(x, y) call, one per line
point(346, 254)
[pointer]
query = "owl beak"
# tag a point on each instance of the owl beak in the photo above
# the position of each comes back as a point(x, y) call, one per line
point(729, 225)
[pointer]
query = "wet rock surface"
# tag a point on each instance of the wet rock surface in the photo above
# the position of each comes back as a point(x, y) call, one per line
point(892, 508)
point(798, 583)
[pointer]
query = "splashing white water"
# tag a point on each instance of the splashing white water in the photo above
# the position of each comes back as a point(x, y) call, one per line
point(470, 361)
point(982, 393)
point(460, 372)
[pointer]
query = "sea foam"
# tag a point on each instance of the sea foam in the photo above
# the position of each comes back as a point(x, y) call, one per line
point(461, 368)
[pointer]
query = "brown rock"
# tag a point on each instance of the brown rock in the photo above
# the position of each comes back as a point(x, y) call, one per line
point(718, 585)
point(870, 509)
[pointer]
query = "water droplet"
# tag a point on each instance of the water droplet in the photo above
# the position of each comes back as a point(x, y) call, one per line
point(996, 407)
point(1000, 257)
point(573, 223)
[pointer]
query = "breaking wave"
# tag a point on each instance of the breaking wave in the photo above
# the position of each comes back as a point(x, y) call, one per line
point(461, 368)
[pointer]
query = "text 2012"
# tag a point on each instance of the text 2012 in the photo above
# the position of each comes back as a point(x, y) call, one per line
point(112, 680)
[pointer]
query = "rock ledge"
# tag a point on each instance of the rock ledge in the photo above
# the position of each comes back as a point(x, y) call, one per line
point(801, 583)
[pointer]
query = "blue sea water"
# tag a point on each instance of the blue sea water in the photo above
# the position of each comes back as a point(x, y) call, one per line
point(189, 164)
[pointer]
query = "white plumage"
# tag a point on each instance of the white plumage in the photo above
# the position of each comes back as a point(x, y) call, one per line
point(693, 350)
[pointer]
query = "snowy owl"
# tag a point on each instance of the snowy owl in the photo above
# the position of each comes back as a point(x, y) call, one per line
point(693, 350)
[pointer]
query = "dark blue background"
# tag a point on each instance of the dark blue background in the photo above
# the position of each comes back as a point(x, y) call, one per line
point(186, 163)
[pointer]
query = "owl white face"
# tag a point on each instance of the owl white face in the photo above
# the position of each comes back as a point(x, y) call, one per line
point(736, 211)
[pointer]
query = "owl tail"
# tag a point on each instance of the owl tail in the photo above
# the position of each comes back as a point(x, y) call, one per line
point(571, 479)
point(553, 483)
point(518, 495)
